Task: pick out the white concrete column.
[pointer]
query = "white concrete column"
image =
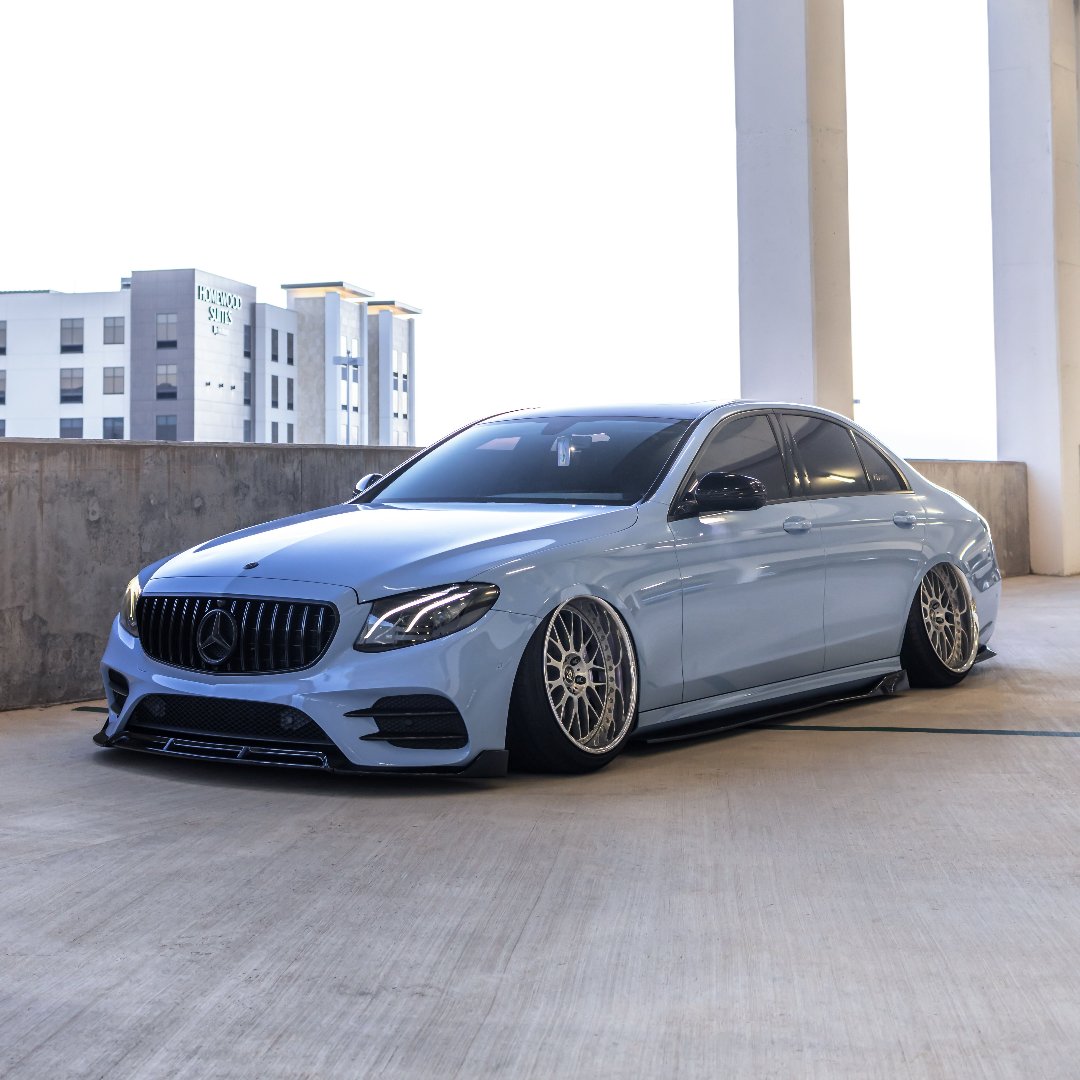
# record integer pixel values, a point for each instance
(794, 273)
(1035, 190)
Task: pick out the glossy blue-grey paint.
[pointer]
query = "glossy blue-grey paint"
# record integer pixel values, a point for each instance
(725, 610)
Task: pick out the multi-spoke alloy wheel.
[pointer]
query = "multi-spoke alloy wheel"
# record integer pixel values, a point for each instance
(943, 629)
(575, 698)
(590, 675)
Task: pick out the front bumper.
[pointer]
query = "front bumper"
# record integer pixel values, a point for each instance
(473, 669)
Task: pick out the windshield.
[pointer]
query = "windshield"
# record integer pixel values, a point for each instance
(548, 459)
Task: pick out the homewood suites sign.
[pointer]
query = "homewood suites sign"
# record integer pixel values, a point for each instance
(221, 305)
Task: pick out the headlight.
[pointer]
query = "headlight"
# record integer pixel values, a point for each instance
(127, 607)
(410, 618)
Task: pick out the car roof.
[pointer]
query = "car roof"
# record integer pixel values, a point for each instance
(673, 411)
(687, 410)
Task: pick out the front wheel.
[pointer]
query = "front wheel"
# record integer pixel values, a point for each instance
(575, 697)
(942, 635)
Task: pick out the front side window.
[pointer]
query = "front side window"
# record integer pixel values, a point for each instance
(3, 427)
(71, 427)
(71, 386)
(274, 345)
(595, 460)
(166, 330)
(3, 386)
(826, 456)
(744, 445)
(114, 329)
(247, 340)
(3, 337)
(247, 431)
(274, 432)
(165, 428)
(290, 357)
(71, 336)
(112, 427)
(289, 400)
(247, 389)
(273, 391)
(288, 433)
(114, 380)
(166, 381)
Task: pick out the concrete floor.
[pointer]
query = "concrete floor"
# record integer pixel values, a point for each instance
(773, 903)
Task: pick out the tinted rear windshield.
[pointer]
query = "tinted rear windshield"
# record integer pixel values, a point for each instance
(549, 459)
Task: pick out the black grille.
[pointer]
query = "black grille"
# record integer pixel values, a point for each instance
(417, 721)
(250, 721)
(271, 635)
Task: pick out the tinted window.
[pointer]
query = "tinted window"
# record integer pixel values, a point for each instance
(827, 456)
(746, 445)
(883, 477)
(551, 459)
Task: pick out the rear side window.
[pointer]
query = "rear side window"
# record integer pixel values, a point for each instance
(746, 445)
(883, 477)
(826, 456)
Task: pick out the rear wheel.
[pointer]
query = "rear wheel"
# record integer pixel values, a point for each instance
(942, 635)
(575, 697)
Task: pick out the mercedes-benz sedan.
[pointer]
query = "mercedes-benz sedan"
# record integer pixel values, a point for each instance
(542, 586)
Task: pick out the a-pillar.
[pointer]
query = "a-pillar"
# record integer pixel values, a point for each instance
(1035, 186)
(794, 272)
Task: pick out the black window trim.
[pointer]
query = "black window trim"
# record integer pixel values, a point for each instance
(803, 483)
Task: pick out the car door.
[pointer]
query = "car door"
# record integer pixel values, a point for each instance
(873, 530)
(753, 581)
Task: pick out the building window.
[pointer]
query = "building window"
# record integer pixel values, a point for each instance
(247, 431)
(395, 380)
(3, 387)
(290, 357)
(288, 433)
(112, 427)
(274, 393)
(273, 346)
(114, 380)
(247, 389)
(289, 400)
(247, 340)
(166, 331)
(71, 387)
(3, 337)
(166, 381)
(3, 428)
(71, 336)
(273, 432)
(114, 329)
(166, 428)
(71, 427)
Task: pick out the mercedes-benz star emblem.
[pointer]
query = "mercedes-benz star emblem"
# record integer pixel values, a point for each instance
(216, 637)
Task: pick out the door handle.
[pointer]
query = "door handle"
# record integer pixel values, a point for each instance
(905, 520)
(797, 525)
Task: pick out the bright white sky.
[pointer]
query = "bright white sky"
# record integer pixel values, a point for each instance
(553, 184)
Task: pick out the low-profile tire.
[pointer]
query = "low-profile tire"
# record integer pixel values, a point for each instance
(942, 635)
(575, 695)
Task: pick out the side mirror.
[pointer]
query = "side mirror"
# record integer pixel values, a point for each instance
(719, 491)
(366, 481)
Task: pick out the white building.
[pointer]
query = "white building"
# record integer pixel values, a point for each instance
(186, 355)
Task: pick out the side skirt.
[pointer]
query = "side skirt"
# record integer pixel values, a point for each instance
(889, 685)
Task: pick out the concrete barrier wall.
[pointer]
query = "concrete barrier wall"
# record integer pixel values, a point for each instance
(79, 518)
(998, 490)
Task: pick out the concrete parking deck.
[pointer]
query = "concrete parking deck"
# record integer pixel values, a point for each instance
(773, 903)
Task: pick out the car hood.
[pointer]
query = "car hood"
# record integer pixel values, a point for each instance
(382, 549)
